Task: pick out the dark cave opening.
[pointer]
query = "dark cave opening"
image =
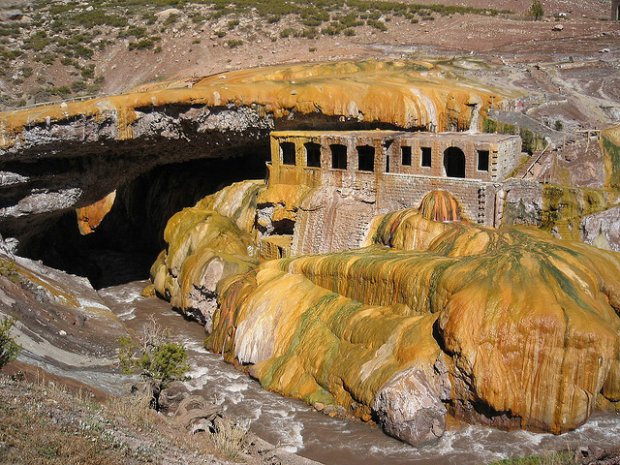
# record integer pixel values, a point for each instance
(126, 243)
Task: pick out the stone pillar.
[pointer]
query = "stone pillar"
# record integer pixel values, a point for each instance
(615, 10)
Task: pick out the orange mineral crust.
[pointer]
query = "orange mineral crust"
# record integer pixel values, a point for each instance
(509, 327)
(405, 93)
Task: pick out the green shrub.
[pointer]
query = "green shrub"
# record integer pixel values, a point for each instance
(536, 10)
(154, 356)
(233, 43)
(288, 32)
(88, 72)
(9, 349)
(79, 86)
(144, 44)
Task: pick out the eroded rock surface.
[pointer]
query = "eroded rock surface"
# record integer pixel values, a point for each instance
(526, 326)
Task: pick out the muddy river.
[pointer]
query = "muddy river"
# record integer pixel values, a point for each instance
(298, 428)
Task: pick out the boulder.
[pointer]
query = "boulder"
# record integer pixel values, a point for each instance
(408, 408)
(165, 14)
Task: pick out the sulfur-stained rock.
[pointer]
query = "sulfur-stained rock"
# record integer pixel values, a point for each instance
(509, 327)
(205, 246)
(90, 217)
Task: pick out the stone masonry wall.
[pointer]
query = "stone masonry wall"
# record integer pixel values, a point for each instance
(405, 191)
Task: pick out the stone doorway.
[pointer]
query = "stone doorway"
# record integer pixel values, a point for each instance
(454, 162)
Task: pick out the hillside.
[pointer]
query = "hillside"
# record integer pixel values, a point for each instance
(54, 50)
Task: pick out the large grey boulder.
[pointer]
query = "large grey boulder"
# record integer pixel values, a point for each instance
(409, 408)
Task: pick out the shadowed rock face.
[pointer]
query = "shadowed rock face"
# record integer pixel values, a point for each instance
(59, 157)
(509, 327)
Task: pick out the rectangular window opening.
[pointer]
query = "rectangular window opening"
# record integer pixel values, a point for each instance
(288, 153)
(426, 158)
(405, 156)
(313, 155)
(339, 156)
(366, 158)
(483, 160)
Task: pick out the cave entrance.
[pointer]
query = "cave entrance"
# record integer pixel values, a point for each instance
(454, 162)
(127, 241)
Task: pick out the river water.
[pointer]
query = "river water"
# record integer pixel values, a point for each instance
(300, 429)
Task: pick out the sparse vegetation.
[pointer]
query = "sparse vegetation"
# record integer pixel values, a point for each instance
(154, 356)
(9, 349)
(234, 43)
(73, 428)
(536, 10)
(71, 34)
(229, 438)
(552, 458)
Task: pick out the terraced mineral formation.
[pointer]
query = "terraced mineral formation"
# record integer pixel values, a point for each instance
(507, 327)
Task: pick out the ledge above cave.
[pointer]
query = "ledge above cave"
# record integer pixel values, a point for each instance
(405, 94)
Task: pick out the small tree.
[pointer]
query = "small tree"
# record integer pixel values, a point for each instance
(9, 349)
(536, 10)
(154, 356)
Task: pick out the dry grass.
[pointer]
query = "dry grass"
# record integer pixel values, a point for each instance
(34, 431)
(44, 424)
(230, 439)
(135, 410)
(550, 458)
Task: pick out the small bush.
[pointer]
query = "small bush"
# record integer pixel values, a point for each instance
(536, 10)
(288, 32)
(229, 438)
(143, 44)
(9, 349)
(233, 43)
(171, 20)
(154, 356)
(88, 72)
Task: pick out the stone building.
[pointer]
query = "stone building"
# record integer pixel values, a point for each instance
(394, 170)
(615, 10)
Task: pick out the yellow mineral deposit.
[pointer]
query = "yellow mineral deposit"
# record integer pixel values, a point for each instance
(91, 216)
(404, 93)
(508, 327)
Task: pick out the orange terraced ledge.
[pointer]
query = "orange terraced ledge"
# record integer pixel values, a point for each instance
(404, 93)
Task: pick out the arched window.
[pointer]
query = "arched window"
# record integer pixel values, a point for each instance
(454, 162)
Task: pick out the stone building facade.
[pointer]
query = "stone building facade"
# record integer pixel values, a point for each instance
(394, 170)
(356, 175)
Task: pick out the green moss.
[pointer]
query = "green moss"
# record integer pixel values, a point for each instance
(564, 208)
(611, 154)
